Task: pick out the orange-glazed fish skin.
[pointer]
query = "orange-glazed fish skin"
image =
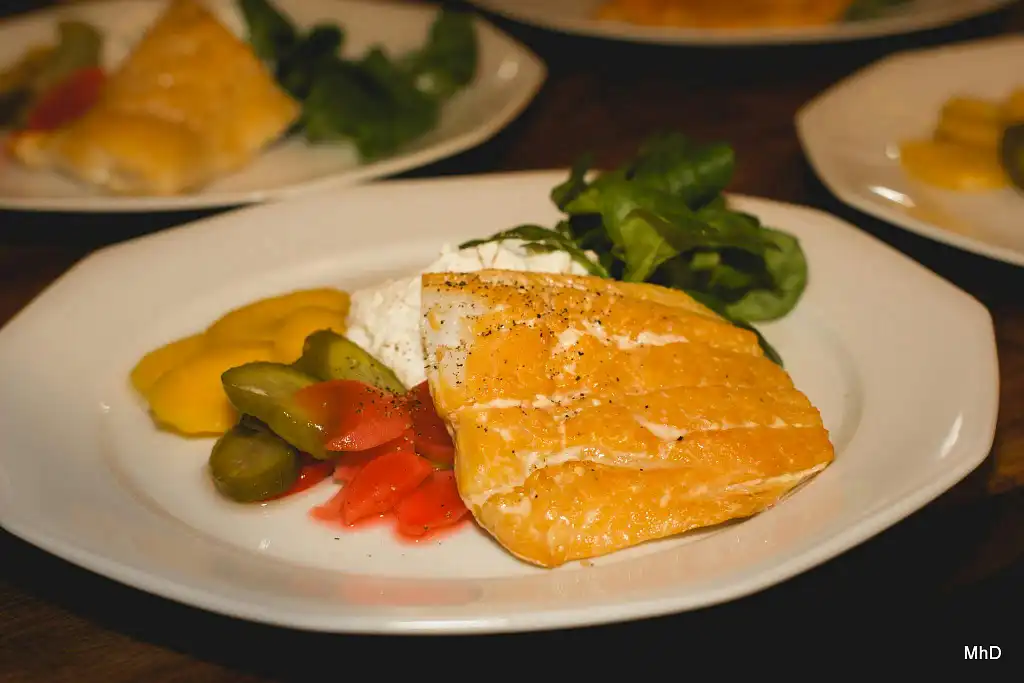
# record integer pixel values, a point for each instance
(591, 415)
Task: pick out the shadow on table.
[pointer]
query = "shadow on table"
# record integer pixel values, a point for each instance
(886, 582)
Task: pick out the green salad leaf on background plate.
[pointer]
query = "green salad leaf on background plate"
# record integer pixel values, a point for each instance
(377, 101)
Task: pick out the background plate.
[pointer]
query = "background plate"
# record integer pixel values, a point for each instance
(851, 134)
(508, 78)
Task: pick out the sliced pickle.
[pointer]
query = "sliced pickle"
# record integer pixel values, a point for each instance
(1011, 153)
(266, 391)
(328, 355)
(249, 464)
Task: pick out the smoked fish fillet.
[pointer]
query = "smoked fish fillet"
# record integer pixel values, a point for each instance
(725, 14)
(591, 415)
(191, 102)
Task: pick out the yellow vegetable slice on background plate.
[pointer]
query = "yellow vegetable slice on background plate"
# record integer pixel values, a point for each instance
(1013, 107)
(973, 108)
(971, 121)
(190, 398)
(953, 166)
(982, 133)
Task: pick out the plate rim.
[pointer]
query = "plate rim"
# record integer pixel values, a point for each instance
(804, 121)
(483, 131)
(588, 614)
(870, 28)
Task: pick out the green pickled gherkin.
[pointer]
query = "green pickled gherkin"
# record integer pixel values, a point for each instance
(266, 391)
(249, 464)
(328, 355)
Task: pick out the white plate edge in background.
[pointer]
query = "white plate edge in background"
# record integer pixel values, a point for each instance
(531, 80)
(807, 123)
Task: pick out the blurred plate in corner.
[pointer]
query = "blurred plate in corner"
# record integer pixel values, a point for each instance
(854, 135)
(507, 79)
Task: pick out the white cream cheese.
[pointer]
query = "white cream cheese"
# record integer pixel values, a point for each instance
(385, 319)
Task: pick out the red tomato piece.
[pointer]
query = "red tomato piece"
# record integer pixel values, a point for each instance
(443, 456)
(404, 443)
(350, 462)
(435, 504)
(348, 465)
(432, 439)
(382, 482)
(355, 416)
(331, 510)
(68, 100)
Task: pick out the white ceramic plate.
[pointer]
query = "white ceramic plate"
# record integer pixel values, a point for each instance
(508, 78)
(901, 364)
(851, 134)
(577, 16)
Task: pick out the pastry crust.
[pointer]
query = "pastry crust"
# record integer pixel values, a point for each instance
(591, 415)
(189, 104)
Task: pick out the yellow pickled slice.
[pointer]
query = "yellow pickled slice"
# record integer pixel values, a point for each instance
(190, 398)
(973, 109)
(154, 364)
(295, 327)
(259, 320)
(1013, 107)
(952, 166)
(973, 132)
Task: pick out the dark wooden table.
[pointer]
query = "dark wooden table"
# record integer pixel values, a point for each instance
(958, 564)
